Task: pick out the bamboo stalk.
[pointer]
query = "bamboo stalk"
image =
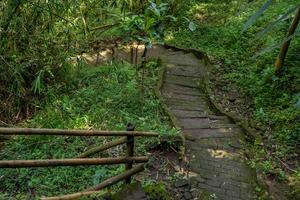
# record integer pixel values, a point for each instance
(104, 147)
(104, 184)
(285, 47)
(65, 132)
(71, 162)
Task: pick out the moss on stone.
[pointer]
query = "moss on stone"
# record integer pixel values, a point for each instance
(157, 192)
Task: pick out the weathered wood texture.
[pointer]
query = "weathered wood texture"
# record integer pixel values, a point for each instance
(71, 162)
(36, 131)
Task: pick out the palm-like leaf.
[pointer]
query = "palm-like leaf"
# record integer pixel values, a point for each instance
(254, 17)
(276, 45)
(281, 18)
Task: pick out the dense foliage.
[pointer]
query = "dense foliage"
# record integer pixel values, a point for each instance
(39, 38)
(102, 98)
(39, 72)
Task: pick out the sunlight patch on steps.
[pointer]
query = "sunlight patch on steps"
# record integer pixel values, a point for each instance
(221, 154)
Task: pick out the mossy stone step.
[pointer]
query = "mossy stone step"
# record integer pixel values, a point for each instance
(183, 81)
(185, 71)
(183, 102)
(183, 60)
(180, 97)
(200, 123)
(212, 118)
(189, 114)
(173, 88)
(196, 134)
(219, 143)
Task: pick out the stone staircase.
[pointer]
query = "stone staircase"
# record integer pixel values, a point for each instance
(214, 144)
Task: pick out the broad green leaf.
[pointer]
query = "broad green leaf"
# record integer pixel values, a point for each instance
(254, 17)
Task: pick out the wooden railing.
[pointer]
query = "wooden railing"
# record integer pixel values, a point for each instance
(127, 137)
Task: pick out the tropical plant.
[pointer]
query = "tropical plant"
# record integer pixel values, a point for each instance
(290, 35)
(36, 38)
(146, 28)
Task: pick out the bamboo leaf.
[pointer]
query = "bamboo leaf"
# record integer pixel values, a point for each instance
(254, 17)
(281, 18)
(277, 45)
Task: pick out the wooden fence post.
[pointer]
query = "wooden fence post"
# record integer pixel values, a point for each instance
(130, 150)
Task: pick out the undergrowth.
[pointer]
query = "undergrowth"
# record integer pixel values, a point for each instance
(106, 98)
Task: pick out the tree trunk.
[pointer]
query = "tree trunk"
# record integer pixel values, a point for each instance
(284, 49)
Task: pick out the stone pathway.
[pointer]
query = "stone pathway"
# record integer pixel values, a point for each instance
(213, 143)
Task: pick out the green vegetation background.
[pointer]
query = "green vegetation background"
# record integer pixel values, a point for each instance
(108, 97)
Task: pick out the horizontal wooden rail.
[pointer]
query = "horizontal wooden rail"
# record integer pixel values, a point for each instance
(104, 147)
(104, 184)
(65, 132)
(71, 162)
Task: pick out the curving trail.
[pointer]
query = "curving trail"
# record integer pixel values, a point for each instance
(214, 152)
(213, 142)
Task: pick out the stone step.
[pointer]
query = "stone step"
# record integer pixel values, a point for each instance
(213, 118)
(183, 81)
(196, 134)
(189, 108)
(200, 123)
(173, 88)
(179, 96)
(188, 114)
(185, 71)
(228, 143)
(170, 52)
(182, 102)
(183, 60)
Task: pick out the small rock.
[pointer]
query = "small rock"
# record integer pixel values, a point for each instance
(232, 98)
(195, 193)
(188, 195)
(198, 179)
(181, 183)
